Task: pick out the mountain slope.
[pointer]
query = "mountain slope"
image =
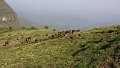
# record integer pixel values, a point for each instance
(8, 18)
(96, 48)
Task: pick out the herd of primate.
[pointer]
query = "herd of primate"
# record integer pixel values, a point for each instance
(61, 34)
(34, 39)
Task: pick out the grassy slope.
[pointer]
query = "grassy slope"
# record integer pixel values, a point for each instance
(91, 49)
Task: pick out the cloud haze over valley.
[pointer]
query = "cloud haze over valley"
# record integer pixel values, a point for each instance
(67, 14)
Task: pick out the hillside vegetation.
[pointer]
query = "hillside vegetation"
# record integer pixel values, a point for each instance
(45, 48)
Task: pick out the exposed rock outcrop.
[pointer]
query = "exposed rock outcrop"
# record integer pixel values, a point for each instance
(8, 18)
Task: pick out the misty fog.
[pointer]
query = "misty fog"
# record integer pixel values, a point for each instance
(67, 14)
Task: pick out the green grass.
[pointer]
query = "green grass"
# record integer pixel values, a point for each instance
(91, 49)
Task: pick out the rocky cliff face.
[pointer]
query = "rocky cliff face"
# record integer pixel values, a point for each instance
(8, 18)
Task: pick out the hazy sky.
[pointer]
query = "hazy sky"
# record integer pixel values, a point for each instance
(77, 12)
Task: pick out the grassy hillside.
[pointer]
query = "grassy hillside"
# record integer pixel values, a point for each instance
(96, 48)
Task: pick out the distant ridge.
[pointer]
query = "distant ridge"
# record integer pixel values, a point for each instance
(8, 18)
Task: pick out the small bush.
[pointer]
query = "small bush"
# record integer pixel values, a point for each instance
(23, 28)
(46, 27)
(54, 29)
(33, 28)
